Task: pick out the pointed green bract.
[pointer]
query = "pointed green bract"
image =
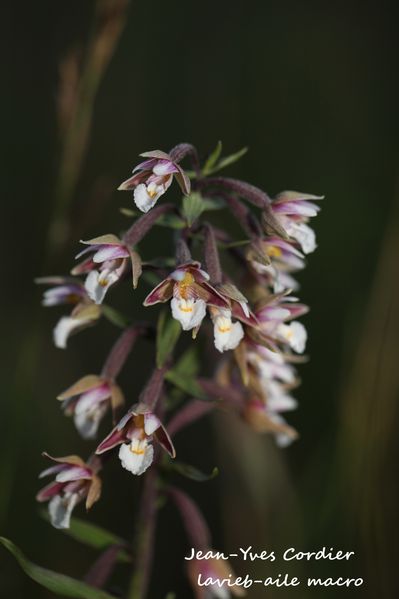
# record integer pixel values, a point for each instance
(193, 473)
(94, 536)
(213, 158)
(61, 585)
(193, 207)
(186, 383)
(114, 316)
(227, 161)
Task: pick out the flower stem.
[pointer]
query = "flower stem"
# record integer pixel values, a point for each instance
(143, 544)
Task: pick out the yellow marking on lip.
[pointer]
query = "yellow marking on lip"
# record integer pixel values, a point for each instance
(273, 251)
(152, 193)
(103, 282)
(185, 309)
(137, 451)
(224, 329)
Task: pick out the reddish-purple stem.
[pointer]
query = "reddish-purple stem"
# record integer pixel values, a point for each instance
(179, 152)
(212, 261)
(194, 523)
(153, 389)
(144, 540)
(141, 226)
(191, 412)
(120, 351)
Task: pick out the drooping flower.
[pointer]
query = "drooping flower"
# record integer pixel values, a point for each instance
(206, 576)
(190, 291)
(273, 319)
(75, 480)
(227, 334)
(109, 259)
(266, 418)
(135, 433)
(293, 210)
(88, 400)
(69, 291)
(153, 177)
(282, 259)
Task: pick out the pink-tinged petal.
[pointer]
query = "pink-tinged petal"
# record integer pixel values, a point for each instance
(125, 419)
(49, 491)
(162, 293)
(64, 294)
(116, 437)
(131, 183)
(164, 167)
(110, 252)
(83, 267)
(151, 423)
(285, 246)
(86, 250)
(299, 208)
(165, 441)
(53, 470)
(90, 398)
(147, 165)
(73, 473)
(296, 310)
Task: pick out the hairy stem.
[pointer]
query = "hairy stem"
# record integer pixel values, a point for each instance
(143, 543)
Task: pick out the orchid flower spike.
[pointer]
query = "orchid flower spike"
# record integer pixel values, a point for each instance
(109, 259)
(88, 400)
(135, 433)
(153, 177)
(75, 480)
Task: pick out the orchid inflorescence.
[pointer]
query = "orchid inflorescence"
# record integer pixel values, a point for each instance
(253, 314)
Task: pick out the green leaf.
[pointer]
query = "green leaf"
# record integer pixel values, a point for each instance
(172, 221)
(186, 383)
(114, 316)
(93, 536)
(191, 472)
(228, 160)
(213, 204)
(168, 333)
(128, 212)
(193, 207)
(213, 158)
(53, 581)
(188, 364)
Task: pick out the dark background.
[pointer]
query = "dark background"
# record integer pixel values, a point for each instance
(312, 89)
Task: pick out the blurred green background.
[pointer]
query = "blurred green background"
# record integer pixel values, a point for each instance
(312, 89)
